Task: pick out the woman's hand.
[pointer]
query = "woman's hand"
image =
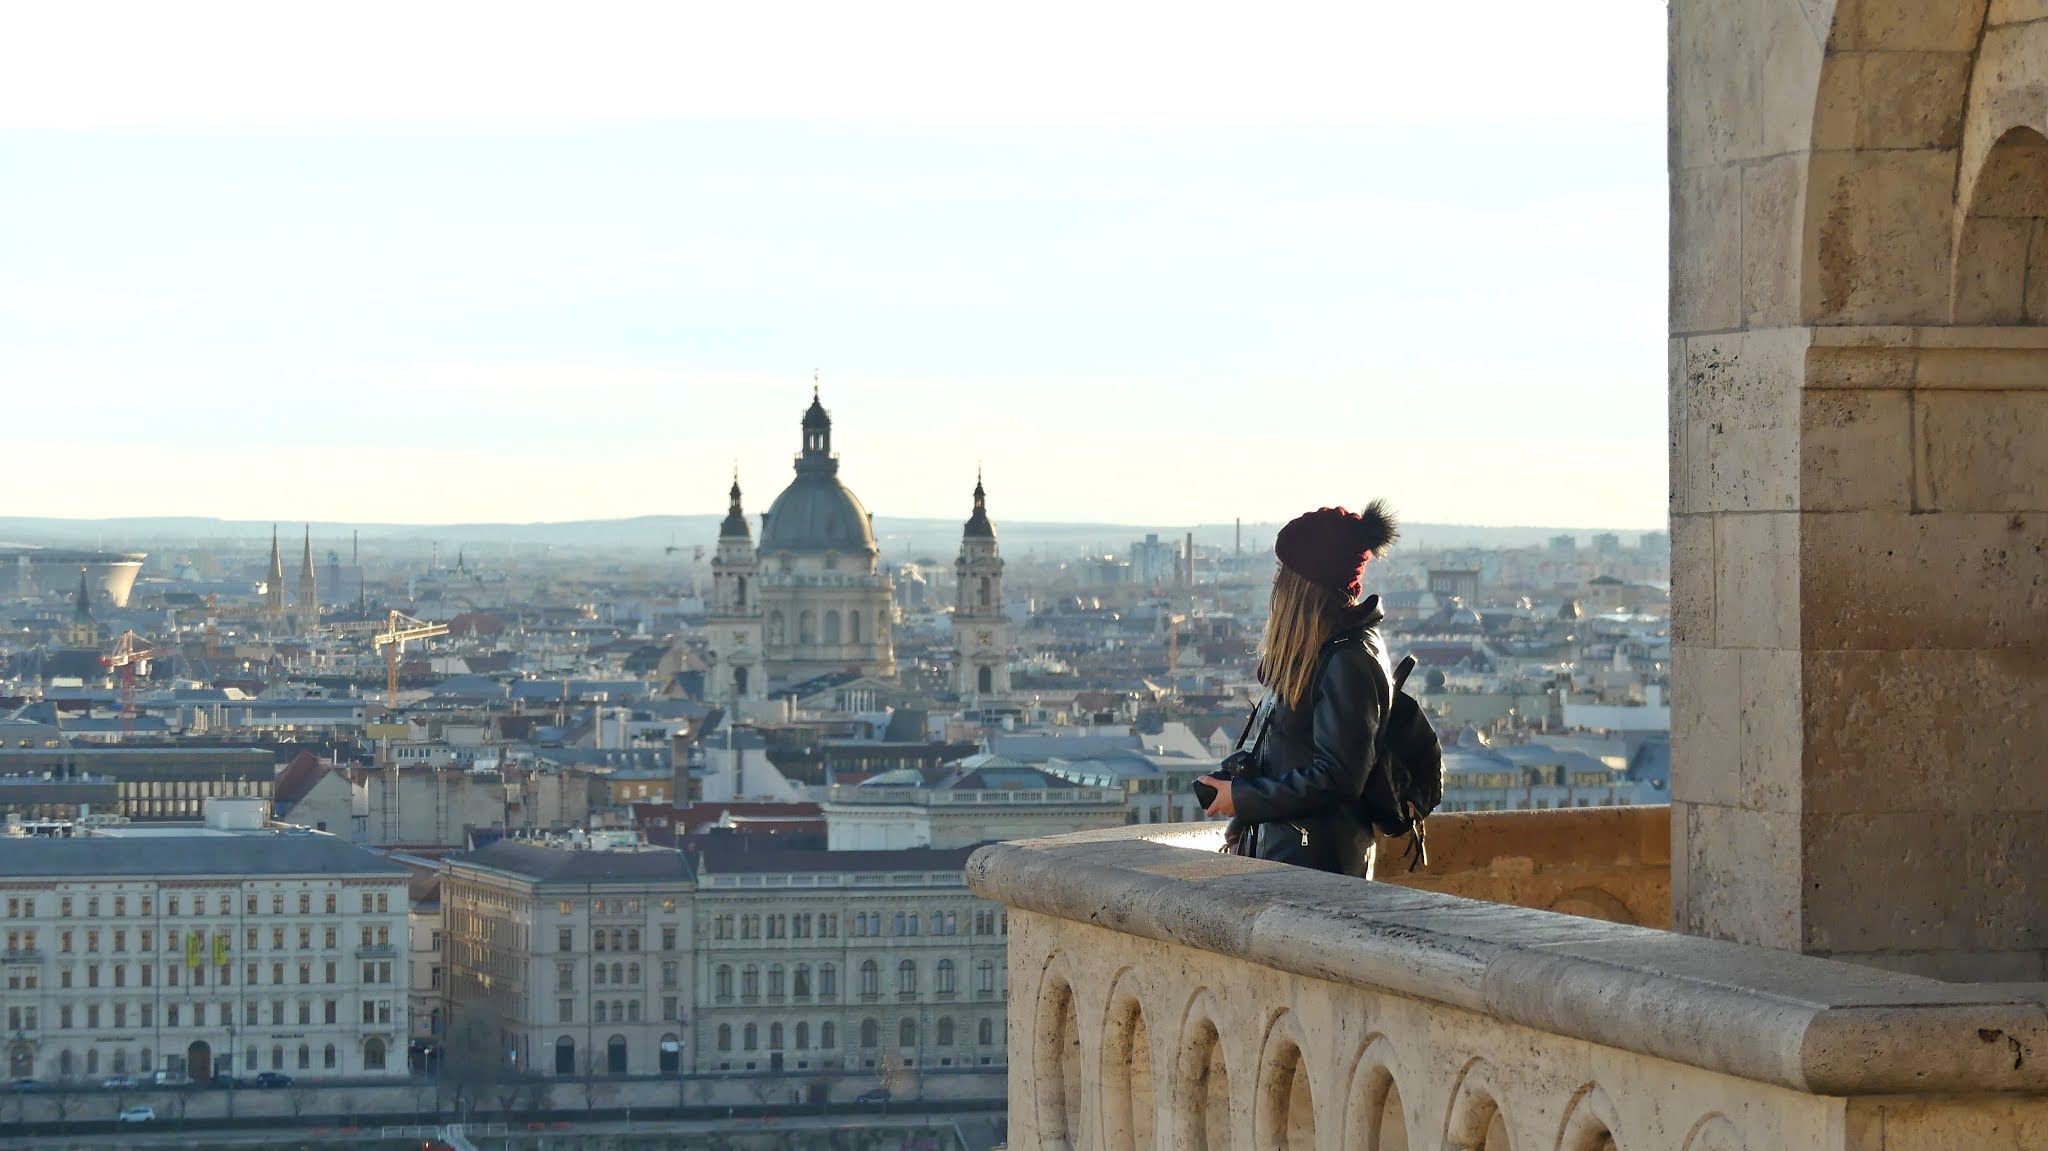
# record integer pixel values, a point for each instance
(1224, 804)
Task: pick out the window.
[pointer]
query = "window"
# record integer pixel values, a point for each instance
(750, 982)
(632, 939)
(596, 940)
(668, 937)
(870, 978)
(828, 981)
(331, 897)
(725, 1037)
(565, 940)
(722, 983)
(668, 976)
(945, 977)
(333, 1010)
(327, 1057)
(985, 1033)
(906, 978)
(870, 1033)
(305, 908)
(597, 974)
(985, 977)
(827, 1036)
(775, 981)
(565, 977)
(305, 1057)
(775, 1037)
(906, 1033)
(565, 1011)
(633, 1011)
(801, 985)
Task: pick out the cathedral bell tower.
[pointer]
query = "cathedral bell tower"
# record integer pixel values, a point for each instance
(735, 616)
(307, 616)
(981, 629)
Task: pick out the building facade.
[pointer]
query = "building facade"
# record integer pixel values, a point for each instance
(200, 954)
(826, 973)
(570, 963)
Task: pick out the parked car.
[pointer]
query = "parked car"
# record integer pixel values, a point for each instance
(138, 1115)
(173, 1079)
(877, 1095)
(273, 1079)
(25, 1086)
(120, 1082)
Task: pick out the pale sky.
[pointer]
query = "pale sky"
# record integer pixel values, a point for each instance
(1144, 262)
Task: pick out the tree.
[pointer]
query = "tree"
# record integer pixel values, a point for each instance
(594, 1088)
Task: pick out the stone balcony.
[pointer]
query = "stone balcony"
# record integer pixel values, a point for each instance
(1165, 996)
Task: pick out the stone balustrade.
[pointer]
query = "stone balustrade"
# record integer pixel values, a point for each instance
(1165, 996)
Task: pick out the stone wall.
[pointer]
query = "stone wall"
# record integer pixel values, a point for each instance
(1859, 479)
(1610, 863)
(1170, 997)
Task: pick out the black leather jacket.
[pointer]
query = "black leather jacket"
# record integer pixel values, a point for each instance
(1299, 801)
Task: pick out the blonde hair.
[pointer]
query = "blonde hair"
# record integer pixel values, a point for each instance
(1303, 617)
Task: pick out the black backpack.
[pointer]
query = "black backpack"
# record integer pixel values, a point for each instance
(1406, 782)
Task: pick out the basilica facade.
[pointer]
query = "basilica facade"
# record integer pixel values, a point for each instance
(811, 597)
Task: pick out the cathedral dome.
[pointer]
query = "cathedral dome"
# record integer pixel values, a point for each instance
(817, 513)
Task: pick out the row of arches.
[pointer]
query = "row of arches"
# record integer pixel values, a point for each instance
(945, 1033)
(617, 1058)
(1198, 1092)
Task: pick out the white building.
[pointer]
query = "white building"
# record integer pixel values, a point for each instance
(201, 952)
(981, 799)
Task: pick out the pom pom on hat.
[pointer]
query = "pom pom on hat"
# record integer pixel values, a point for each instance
(1329, 547)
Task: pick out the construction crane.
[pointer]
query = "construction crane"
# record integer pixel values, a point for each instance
(392, 639)
(130, 652)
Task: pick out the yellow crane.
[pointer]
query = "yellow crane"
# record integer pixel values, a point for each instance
(392, 640)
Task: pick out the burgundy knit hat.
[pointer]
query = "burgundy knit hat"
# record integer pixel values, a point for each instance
(1329, 547)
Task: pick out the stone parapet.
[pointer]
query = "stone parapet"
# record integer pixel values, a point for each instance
(1167, 996)
(1609, 863)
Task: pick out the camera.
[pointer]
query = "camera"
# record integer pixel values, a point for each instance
(1234, 765)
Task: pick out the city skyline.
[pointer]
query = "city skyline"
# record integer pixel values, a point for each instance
(1131, 302)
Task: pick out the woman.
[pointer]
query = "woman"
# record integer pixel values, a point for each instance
(1327, 680)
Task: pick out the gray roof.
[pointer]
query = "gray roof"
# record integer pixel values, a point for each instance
(267, 853)
(564, 865)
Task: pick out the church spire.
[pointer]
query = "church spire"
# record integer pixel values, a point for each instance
(273, 585)
(978, 524)
(82, 610)
(735, 525)
(309, 586)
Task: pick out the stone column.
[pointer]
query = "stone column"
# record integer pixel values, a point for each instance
(1859, 497)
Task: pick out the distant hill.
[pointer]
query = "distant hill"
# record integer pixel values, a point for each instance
(901, 538)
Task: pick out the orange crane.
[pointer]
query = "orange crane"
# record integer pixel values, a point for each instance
(130, 652)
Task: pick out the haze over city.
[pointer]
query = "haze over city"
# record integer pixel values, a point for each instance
(1145, 266)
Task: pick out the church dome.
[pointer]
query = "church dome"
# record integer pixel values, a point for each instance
(816, 513)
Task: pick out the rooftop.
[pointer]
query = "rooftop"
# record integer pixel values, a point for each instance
(190, 852)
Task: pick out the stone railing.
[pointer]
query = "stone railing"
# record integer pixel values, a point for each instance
(1610, 863)
(1165, 996)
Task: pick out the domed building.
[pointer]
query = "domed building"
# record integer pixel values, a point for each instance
(811, 598)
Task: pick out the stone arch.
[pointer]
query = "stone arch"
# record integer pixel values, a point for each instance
(2001, 256)
(1589, 1122)
(1130, 1106)
(1375, 1118)
(1714, 1133)
(1475, 1121)
(1201, 1079)
(985, 679)
(1886, 136)
(1058, 1060)
(853, 626)
(807, 626)
(1284, 1102)
(1593, 903)
(832, 625)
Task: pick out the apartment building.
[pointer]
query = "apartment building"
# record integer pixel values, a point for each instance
(845, 966)
(201, 952)
(568, 961)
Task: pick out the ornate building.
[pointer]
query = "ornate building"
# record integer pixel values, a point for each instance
(811, 599)
(981, 631)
